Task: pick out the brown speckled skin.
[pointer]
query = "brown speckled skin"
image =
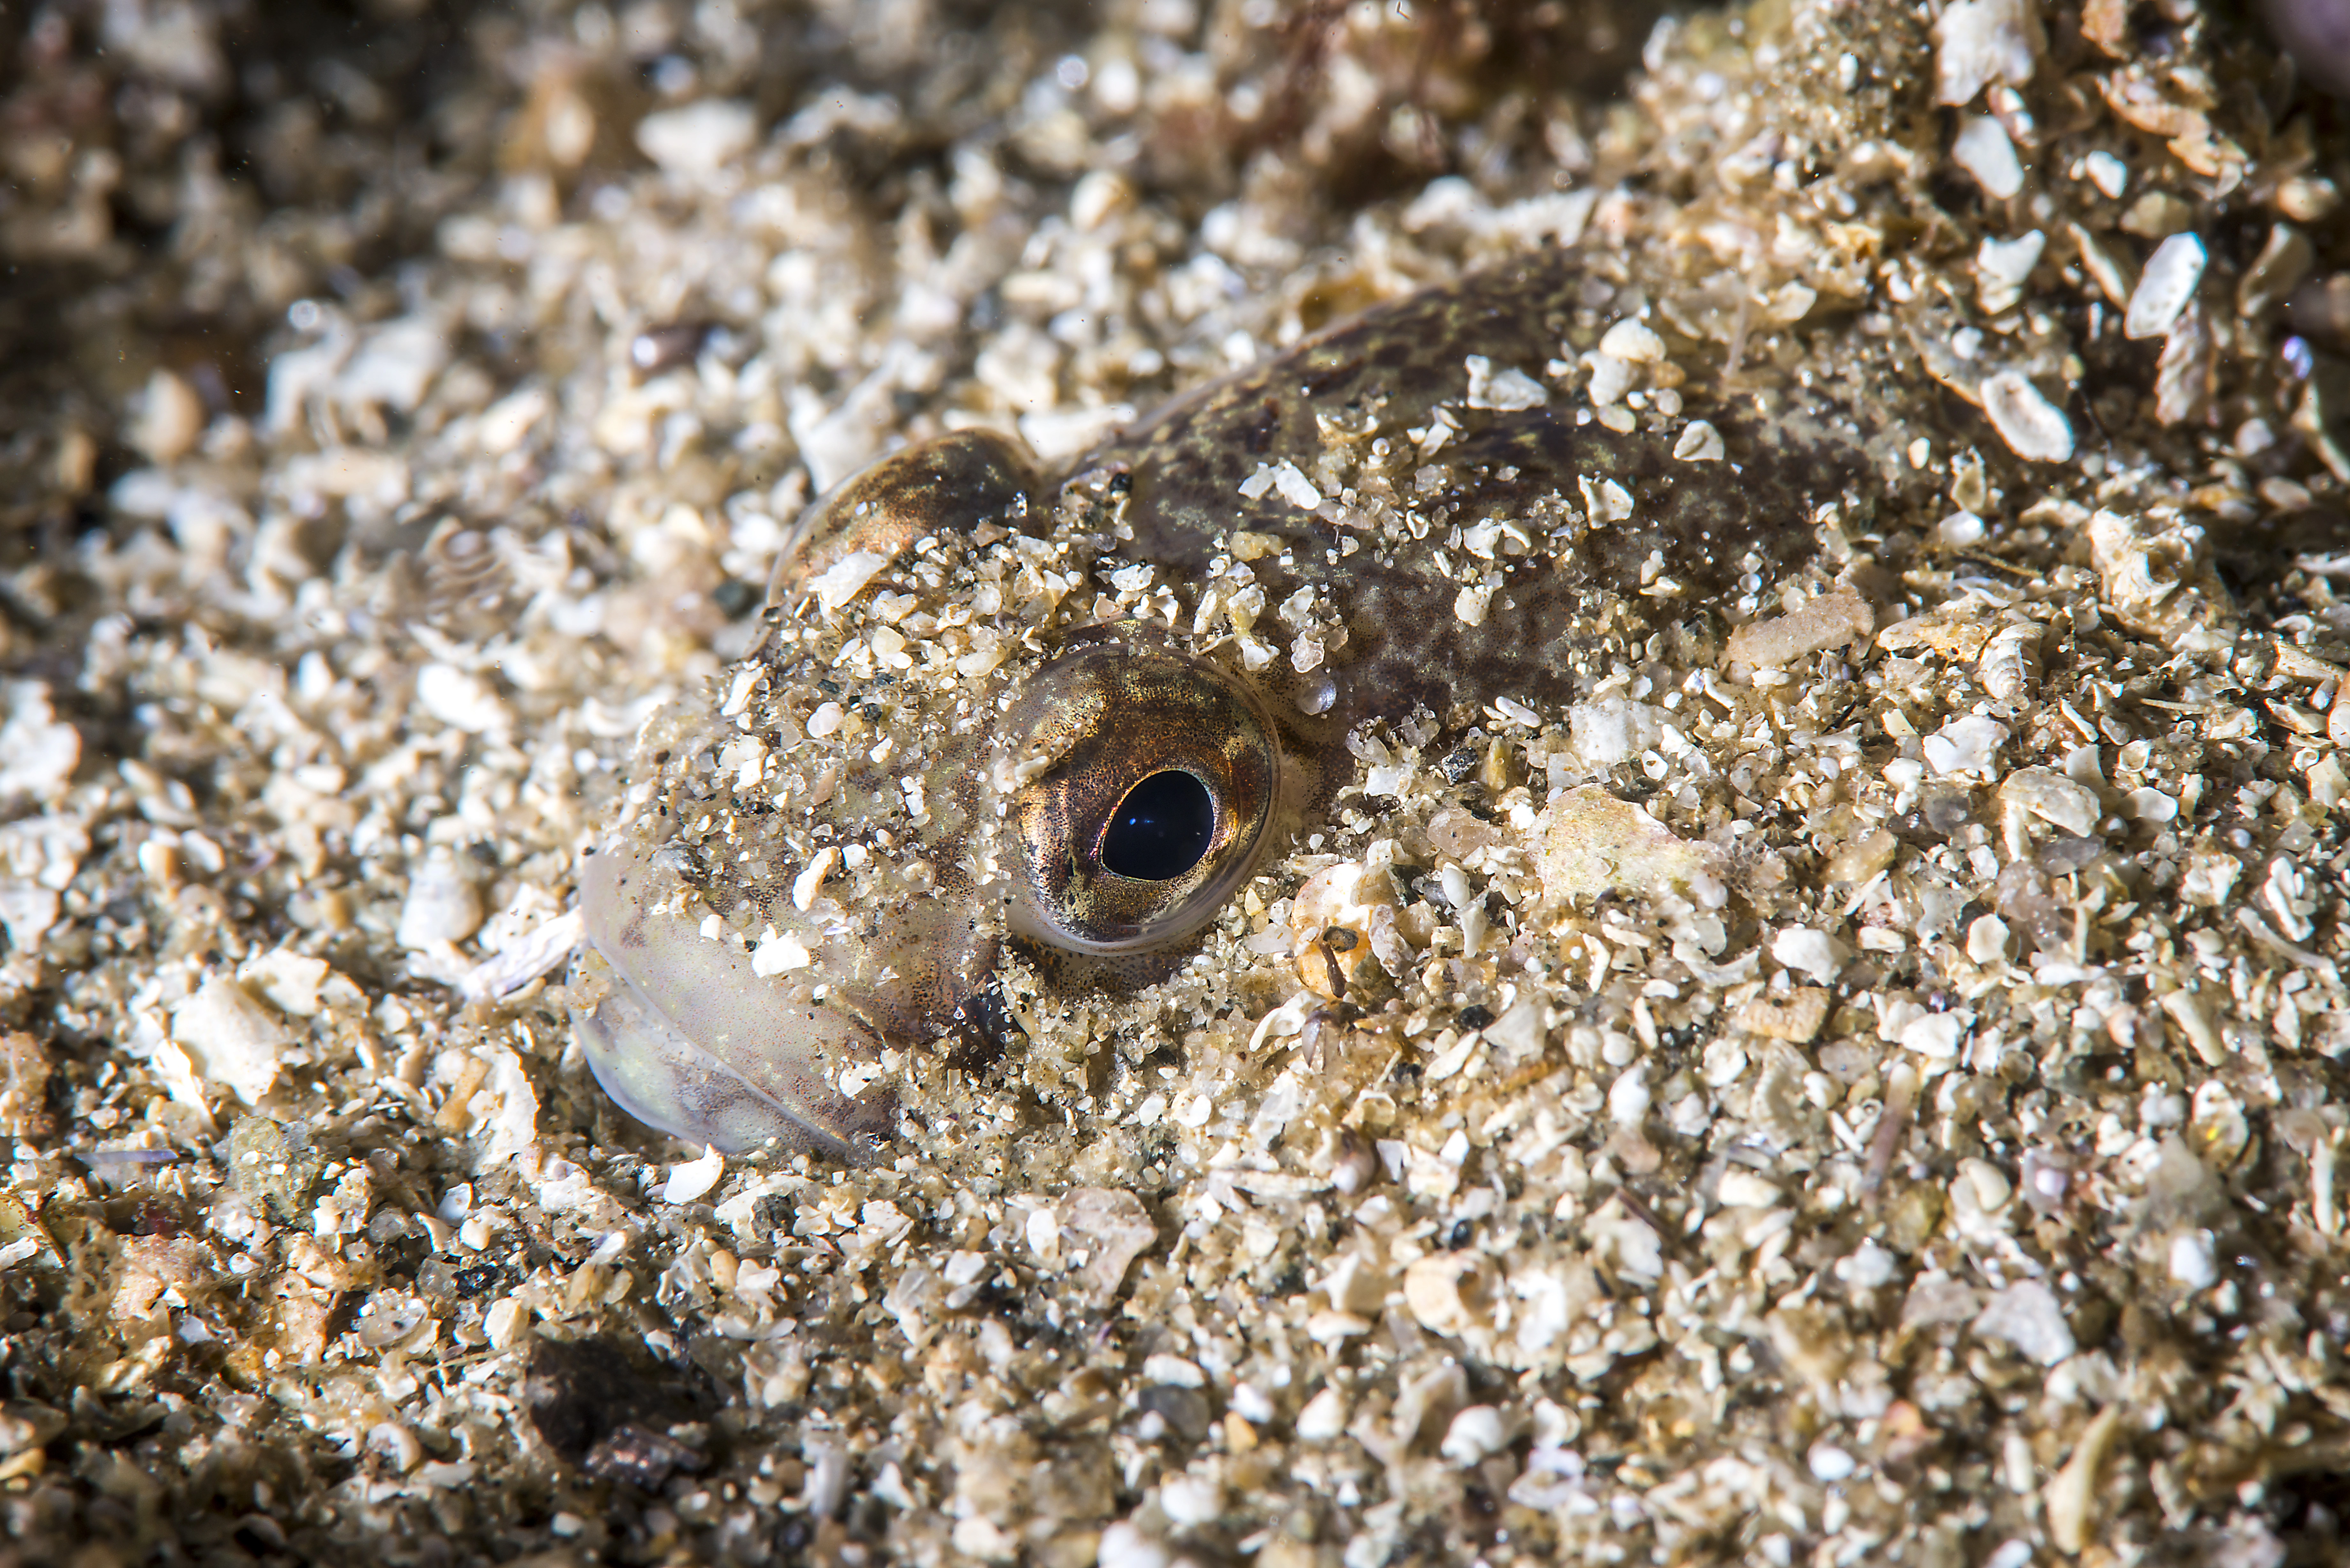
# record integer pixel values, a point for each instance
(1185, 466)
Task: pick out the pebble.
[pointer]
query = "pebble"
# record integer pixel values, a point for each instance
(1830, 1464)
(1699, 443)
(2031, 425)
(231, 1038)
(1812, 953)
(691, 1181)
(1966, 745)
(2165, 286)
(1979, 42)
(1982, 150)
(461, 700)
(2027, 1316)
(1324, 1418)
(171, 417)
(2192, 1261)
(2002, 265)
(442, 906)
(697, 141)
(1476, 1433)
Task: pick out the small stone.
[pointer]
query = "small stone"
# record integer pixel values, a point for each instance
(2002, 265)
(2165, 286)
(442, 904)
(1633, 342)
(1699, 443)
(1982, 150)
(1814, 953)
(1324, 1418)
(462, 700)
(1987, 938)
(1968, 745)
(2031, 425)
(692, 1181)
(169, 418)
(2026, 1316)
(274, 1165)
(1978, 42)
(1935, 1035)
(1830, 1464)
(2192, 1261)
(1591, 843)
(697, 141)
(1798, 1019)
(1475, 1434)
(1831, 620)
(231, 1038)
(2053, 797)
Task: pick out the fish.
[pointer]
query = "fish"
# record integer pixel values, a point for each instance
(1015, 735)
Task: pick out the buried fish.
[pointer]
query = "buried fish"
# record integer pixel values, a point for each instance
(1013, 737)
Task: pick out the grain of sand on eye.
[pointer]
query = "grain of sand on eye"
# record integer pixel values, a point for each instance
(1862, 1084)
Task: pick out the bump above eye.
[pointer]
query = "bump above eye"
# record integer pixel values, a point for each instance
(1142, 782)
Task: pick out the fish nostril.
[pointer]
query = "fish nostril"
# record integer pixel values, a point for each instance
(1162, 829)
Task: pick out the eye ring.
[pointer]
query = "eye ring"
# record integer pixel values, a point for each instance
(1141, 783)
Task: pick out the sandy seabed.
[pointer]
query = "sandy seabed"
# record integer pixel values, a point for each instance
(397, 410)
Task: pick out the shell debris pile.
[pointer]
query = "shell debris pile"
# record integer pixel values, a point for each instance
(1864, 1081)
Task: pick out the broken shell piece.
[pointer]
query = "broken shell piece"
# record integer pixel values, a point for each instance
(2158, 580)
(1828, 621)
(2163, 290)
(962, 483)
(1982, 150)
(2010, 663)
(1448, 1292)
(2031, 425)
(1590, 843)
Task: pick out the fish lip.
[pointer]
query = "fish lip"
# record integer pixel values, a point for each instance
(771, 1088)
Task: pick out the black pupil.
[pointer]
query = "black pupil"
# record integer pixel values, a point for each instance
(1161, 829)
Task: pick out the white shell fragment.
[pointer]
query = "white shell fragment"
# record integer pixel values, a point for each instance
(1979, 42)
(1982, 150)
(233, 1039)
(1634, 342)
(1699, 443)
(2031, 425)
(2165, 287)
(2002, 265)
(1592, 843)
(2027, 1316)
(442, 906)
(697, 141)
(1968, 745)
(692, 1181)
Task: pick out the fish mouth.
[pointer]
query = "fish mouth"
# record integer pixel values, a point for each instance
(690, 1038)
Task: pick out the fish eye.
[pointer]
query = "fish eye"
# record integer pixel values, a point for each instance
(1143, 785)
(1161, 829)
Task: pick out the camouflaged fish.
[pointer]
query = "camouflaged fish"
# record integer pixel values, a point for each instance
(1006, 723)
